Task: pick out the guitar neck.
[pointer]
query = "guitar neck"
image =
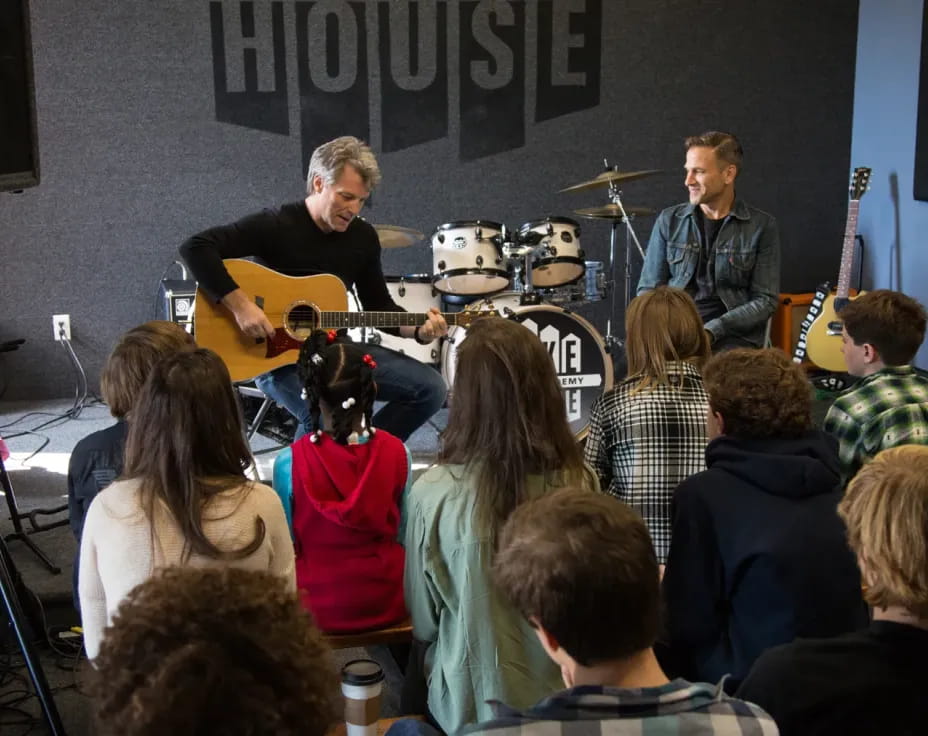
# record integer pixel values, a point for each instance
(341, 320)
(847, 251)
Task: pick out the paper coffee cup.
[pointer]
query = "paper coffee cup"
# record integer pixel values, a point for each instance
(362, 684)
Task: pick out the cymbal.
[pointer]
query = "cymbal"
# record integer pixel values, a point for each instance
(610, 176)
(612, 212)
(394, 236)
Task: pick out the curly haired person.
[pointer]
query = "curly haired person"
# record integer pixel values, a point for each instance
(200, 651)
(757, 552)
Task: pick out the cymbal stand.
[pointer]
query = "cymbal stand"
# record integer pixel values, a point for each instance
(615, 196)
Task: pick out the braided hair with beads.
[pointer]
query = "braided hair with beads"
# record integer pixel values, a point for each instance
(339, 373)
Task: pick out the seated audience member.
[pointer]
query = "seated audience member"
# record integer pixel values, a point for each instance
(97, 459)
(198, 652)
(183, 498)
(758, 555)
(507, 441)
(343, 486)
(872, 681)
(889, 405)
(649, 432)
(581, 569)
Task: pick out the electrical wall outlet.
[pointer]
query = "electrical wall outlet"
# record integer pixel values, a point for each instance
(61, 323)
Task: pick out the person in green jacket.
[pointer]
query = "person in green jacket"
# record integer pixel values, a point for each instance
(507, 441)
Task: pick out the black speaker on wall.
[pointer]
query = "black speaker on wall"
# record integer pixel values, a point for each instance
(19, 144)
(920, 180)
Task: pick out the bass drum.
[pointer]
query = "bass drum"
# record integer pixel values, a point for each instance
(414, 293)
(580, 359)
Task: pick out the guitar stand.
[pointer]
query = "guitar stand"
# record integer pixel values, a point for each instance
(14, 611)
(16, 517)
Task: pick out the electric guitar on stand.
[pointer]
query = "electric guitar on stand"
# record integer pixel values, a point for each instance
(823, 338)
(295, 306)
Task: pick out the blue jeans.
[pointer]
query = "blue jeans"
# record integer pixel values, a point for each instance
(413, 391)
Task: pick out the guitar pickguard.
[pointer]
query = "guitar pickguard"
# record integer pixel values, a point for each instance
(281, 343)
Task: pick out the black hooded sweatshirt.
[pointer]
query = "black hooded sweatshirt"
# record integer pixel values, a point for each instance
(758, 555)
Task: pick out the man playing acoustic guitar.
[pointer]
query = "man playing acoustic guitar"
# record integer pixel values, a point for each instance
(323, 235)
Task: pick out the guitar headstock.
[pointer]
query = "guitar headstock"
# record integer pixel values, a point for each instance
(860, 182)
(467, 317)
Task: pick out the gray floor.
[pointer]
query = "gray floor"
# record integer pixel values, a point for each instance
(40, 482)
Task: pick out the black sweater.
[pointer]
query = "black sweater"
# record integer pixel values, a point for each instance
(758, 555)
(289, 241)
(869, 682)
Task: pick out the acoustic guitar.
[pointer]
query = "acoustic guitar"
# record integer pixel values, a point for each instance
(295, 306)
(824, 334)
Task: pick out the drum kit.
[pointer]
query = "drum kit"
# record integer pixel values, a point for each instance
(535, 274)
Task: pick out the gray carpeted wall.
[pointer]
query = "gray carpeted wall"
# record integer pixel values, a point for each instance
(501, 104)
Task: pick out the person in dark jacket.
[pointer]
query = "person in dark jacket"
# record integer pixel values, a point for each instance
(96, 460)
(758, 554)
(874, 680)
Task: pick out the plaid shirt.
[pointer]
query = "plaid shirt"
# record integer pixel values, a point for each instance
(885, 409)
(643, 445)
(678, 708)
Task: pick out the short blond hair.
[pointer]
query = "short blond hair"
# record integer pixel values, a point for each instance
(885, 509)
(662, 326)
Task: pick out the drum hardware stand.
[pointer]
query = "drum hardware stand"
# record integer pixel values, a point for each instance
(17, 618)
(615, 196)
(16, 517)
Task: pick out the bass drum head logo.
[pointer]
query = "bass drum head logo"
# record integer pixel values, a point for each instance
(580, 361)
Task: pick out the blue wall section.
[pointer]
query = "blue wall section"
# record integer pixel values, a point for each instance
(893, 223)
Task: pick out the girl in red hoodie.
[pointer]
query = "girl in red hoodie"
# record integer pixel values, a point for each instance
(342, 487)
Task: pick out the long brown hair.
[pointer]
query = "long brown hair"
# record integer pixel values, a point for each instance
(507, 419)
(662, 326)
(186, 444)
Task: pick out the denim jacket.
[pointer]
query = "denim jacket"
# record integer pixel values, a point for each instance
(747, 265)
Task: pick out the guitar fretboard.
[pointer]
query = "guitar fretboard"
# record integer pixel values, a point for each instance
(340, 320)
(847, 251)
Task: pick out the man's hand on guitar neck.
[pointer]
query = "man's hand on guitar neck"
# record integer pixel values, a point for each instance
(251, 319)
(434, 326)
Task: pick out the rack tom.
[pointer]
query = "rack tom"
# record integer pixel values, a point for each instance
(558, 258)
(467, 258)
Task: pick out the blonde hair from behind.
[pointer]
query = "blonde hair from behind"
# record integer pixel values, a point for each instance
(885, 509)
(662, 326)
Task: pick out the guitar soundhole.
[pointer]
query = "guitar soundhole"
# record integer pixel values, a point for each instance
(301, 321)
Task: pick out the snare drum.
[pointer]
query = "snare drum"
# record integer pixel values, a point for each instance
(558, 258)
(467, 258)
(580, 359)
(591, 288)
(414, 293)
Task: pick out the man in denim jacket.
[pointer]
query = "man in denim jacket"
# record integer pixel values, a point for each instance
(725, 253)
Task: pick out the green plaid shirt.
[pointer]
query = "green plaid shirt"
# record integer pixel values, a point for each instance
(679, 708)
(886, 409)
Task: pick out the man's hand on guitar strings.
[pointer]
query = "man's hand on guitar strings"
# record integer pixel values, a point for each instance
(252, 320)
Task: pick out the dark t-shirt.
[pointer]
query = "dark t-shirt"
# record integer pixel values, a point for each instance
(289, 241)
(702, 286)
(869, 682)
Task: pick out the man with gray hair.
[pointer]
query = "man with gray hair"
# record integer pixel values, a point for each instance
(323, 235)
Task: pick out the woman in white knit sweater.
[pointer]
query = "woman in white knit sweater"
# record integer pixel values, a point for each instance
(183, 498)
